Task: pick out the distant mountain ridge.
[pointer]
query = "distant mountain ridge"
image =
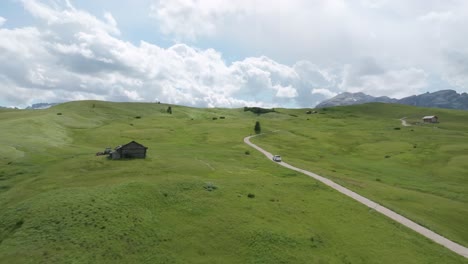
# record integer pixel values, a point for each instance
(354, 98)
(441, 99)
(41, 106)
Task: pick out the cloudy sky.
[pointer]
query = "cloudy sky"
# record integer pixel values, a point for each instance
(224, 53)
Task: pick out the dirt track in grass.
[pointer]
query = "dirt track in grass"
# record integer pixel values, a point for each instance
(455, 247)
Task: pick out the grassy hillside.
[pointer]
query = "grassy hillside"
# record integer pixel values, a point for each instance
(420, 171)
(62, 204)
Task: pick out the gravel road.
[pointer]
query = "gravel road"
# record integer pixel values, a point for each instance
(403, 122)
(455, 247)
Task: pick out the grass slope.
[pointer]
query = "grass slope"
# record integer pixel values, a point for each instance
(61, 204)
(420, 171)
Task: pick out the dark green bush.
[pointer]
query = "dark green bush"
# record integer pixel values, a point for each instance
(209, 186)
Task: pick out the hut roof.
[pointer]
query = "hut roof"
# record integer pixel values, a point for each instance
(131, 142)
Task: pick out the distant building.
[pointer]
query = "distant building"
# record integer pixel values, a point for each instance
(130, 150)
(430, 119)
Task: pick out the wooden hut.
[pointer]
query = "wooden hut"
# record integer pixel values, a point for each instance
(130, 150)
(430, 119)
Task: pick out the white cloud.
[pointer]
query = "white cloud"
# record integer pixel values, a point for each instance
(189, 19)
(2, 21)
(315, 50)
(325, 92)
(456, 69)
(404, 34)
(373, 3)
(132, 95)
(393, 83)
(285, 92)
(70, 18)
(110, 19)
(438, 17)
(85, 59)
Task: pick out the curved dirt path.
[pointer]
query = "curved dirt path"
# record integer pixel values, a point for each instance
(403, 122)
(455, 247)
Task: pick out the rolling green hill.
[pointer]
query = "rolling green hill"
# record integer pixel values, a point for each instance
(202, 196)
(420, 170)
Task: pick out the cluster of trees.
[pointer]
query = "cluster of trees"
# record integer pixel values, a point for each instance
(258, 110)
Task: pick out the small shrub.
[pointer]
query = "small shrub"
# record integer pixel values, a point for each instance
(222, 117)
(247, 152)
(19, 223)
(210, 186)
(397, 128)
(215, 118)
(137, 117)
(387, 156)
(378, 179)
(59, 113)
(316, 240)
(251, 195)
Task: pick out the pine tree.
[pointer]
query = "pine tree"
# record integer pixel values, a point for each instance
(257, 128)
(169, 110)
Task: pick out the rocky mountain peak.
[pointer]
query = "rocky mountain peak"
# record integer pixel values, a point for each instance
(440, 99)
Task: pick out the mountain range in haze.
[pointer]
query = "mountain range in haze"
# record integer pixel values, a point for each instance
(449, 99)
(41, 106)
(441, 99)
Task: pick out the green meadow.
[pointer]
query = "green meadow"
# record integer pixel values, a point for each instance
(420, 171)
(203, 196)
